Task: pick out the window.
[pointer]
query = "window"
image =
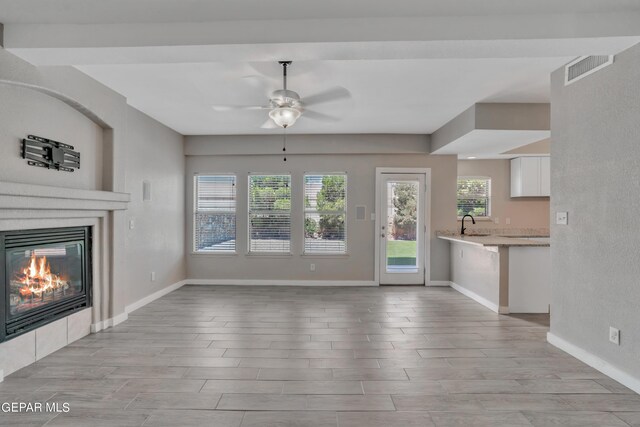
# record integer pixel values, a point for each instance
(325, 213)
(215, 213)
(474, 196)
(270, 213)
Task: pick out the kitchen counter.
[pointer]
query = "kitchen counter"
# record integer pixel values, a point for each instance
(495, 240)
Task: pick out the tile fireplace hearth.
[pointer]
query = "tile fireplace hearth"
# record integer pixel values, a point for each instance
(44, 275)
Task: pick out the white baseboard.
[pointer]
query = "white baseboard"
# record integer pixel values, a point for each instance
(466, 292)
(438, 283)
(154, 296)
(258, 282)
(108, 323)
(595, 362)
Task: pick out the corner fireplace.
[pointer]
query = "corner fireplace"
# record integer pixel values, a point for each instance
(45, 275)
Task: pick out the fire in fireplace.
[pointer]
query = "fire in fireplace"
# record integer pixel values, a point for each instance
(46, 276)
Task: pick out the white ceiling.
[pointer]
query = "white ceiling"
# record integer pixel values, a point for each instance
(403, 96)
(411, 65)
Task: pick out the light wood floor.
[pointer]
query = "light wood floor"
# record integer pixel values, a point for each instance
(282, 356)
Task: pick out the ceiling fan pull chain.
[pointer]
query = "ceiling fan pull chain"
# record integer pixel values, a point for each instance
(284, 143)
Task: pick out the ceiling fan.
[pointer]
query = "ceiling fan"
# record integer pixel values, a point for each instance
(286, 107)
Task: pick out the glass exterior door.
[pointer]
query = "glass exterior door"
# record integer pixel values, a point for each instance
(402, 229)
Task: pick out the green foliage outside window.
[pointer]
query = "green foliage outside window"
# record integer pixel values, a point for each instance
(474, 196)
(405, 204)
(270, 204)
(331, 199)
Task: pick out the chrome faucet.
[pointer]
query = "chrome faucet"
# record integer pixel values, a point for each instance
(462, 229)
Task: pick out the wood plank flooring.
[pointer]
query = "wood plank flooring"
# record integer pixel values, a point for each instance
(284, 356)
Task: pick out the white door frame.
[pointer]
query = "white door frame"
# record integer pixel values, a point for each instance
(427, 218)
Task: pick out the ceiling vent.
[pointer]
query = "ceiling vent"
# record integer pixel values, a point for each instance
(585, 65)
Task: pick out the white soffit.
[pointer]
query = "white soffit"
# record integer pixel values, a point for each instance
(490, 130)
(141, 11)
(537, 148)
(491, 143)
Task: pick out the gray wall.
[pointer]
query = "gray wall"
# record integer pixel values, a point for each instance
(595, 176)
(155, 154)
(360, 169)
(24, 111)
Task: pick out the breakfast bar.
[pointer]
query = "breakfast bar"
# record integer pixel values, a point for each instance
(507, 274)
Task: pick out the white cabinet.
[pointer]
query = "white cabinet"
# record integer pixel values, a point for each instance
(530, 177)
(545, 176)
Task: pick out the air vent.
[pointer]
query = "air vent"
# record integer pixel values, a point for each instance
(585, 65)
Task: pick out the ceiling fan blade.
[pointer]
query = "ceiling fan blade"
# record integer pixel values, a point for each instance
(268, 69)
(225, 108)
(261, 83)
(314, 115)
(332, 94)
(269, 124)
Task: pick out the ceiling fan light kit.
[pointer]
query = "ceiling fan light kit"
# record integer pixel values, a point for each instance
(285, 116)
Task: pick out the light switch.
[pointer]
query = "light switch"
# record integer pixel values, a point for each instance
(373, 216)
(132, 224)
(562, 218)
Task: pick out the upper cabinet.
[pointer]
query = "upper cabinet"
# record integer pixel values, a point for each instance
(530, 177)
(545, 176)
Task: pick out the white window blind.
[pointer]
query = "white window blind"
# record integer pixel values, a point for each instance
(215, 213)
(325, 213)
(270, 213)
(474, 196)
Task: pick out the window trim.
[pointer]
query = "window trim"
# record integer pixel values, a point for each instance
(344, 212)
(486, 217)
(283, 254)
(194, 250)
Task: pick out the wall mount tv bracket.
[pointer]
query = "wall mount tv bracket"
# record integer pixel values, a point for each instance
(50, 154)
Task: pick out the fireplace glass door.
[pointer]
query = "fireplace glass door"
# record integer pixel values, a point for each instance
(44, 275)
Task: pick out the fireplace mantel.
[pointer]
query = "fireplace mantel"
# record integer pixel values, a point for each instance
(16, 196)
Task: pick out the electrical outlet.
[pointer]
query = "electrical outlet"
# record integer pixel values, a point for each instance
(153, 276)
(508, 221)
(496, 220)
(132, 224)
(312, 267)
(614, 335)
